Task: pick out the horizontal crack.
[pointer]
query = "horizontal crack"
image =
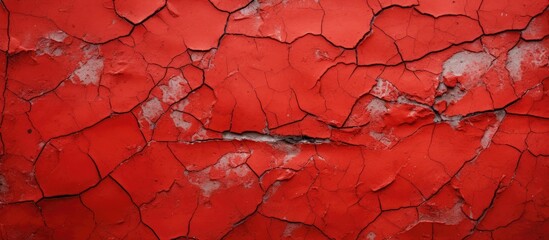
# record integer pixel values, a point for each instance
(258, 137)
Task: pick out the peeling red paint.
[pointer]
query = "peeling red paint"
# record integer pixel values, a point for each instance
(274, 119)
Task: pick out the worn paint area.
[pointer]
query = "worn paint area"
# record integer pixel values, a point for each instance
(274, 119)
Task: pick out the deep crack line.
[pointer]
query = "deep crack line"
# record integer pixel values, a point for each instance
(258, 137)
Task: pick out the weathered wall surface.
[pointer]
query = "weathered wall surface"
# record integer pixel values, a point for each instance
(274, 119)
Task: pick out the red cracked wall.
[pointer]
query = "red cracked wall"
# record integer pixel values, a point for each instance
(326, 119)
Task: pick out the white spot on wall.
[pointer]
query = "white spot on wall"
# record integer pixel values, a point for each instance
(376, 107)
(251, 9)
(453, 121)
(491, 130)
(231, 159)
(291, 151)
(151, 110)
(241, 171)
(47, 46)
(277, 34)
(272, 190)
(227, 164)
(290, 227)
(248, 184)
(50, 44)
(452, 216)
(451, 96)
(208, 187)
(371, 236)
(58, 36)
(380, 137)
(177, 118)
(533, 29)
(533, 52)
(196, 56)
(232, 163)
(202, 180)
(321, 55)
(470, 63)
(174, 90)
(205, 59)
(181, 106)
(89, 72)
(90, 69)
(200, 134)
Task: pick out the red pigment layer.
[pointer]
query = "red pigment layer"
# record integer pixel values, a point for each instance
(274, 119)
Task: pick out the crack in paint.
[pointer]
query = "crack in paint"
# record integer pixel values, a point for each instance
(273, 119)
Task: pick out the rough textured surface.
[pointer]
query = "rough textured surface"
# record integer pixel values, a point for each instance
(274, 119)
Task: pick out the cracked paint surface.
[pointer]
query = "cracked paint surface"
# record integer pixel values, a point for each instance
(274, 119)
